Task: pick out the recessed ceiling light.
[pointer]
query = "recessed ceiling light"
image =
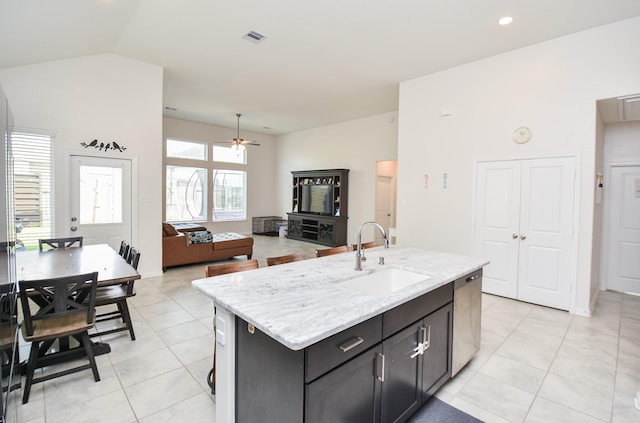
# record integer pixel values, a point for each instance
(505, 20)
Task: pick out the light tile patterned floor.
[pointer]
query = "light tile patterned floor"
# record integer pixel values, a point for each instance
(535, 365)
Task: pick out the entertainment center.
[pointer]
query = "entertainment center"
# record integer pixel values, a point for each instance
(319, 204)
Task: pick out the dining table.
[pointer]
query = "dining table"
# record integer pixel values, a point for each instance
(60, 262)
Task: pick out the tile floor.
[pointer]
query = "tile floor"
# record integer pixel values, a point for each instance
(535, 365)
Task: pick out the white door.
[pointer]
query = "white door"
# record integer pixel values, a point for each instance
(624, 238)
(524, 226)
(100, 195)
(383, 204)
(497, 221)
(546, 232)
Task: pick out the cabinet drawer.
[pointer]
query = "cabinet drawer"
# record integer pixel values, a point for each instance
(402, 316)
(335, 350)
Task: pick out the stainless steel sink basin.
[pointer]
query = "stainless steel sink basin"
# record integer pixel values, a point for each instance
(384, 282)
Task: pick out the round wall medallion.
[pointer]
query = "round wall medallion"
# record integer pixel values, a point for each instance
(521, 135)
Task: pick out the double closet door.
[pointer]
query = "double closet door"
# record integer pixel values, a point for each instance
(524, 224)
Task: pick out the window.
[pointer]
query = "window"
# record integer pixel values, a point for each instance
(194, 181)
(33, 187)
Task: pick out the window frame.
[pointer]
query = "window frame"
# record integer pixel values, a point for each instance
(210, 166)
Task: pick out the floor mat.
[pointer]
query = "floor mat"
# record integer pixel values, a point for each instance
(436, 411)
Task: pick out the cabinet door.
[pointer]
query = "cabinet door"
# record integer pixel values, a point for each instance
(436, 367)
(401, 393)
(348, 394)
(294, 228)
(325, 233)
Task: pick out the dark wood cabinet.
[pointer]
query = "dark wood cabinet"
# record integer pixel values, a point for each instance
(319, 204)
(381, 370)
(349, 394)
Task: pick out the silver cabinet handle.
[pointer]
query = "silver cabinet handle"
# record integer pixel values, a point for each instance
(425, 334)
(523, 237)
(352, 343)
(514, 236)
(427, 339)
(74, 228)
(381, 376)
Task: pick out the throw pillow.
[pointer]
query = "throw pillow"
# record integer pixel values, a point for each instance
(168, 230)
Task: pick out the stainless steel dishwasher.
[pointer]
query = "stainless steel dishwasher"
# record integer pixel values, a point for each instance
(467, 314)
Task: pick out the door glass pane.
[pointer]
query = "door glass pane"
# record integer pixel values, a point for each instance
(229, 195)
(186, 189)
(100, 195)
(186, 150)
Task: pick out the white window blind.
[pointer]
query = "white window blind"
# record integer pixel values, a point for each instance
(33, 180)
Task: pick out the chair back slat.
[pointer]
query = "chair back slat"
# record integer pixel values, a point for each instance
(287, 258)
(134, 257)
(51, 243)
(224, 268)
(58, 297)
(331, 251)
(124, 249)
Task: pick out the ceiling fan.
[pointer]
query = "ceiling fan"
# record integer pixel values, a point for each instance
(238, 143)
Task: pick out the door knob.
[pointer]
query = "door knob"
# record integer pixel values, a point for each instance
(74, 228)
(514, 236)
(523, 237)
(73, 219)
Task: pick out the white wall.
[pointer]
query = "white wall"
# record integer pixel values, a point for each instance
(104, 97)
(551, 87)
(261, 195)
(356, 145)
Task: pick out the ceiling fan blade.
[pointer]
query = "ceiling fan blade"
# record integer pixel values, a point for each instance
(249, 142)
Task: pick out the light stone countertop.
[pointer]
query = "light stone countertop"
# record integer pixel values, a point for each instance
(301, 303)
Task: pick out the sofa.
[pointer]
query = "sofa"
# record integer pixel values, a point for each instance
(189, 243)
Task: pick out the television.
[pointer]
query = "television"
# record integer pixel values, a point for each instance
(317, 199)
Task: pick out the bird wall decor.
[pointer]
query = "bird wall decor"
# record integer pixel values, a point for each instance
(102, 146)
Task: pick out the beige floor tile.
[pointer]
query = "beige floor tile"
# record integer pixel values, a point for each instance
(489, 394)
(161, 392)
(111, 408)
(537, 357)
(536, 339)
(200, 408)
(546, 411)
(169, 319)
(200, 371)
(194, 350)
(577, 395)
(514, 373)
(183, 333)
(144, 367)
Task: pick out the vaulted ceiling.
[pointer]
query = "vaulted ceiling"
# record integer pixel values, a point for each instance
(321, 62)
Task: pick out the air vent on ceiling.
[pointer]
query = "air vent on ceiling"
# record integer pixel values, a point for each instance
(253, 36)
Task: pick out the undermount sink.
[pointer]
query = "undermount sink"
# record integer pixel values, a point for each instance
(384, 282)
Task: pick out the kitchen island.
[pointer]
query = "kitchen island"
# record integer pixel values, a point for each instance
(278, 330)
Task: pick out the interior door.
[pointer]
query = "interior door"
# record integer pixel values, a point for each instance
(546, 231)
(497, 223)
(383, 204)
(524, 225)
(100, 196)
(624, 236)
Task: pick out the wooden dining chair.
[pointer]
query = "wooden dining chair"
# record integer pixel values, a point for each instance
(9, 351)
(217, 270)
(55, 309)
(371, 244)
(231, 267)
(288, 258)
(117, 295)
(331, 251)
(51, 243)
(124, 249)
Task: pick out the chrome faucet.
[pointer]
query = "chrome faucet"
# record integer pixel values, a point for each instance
(360, 252)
